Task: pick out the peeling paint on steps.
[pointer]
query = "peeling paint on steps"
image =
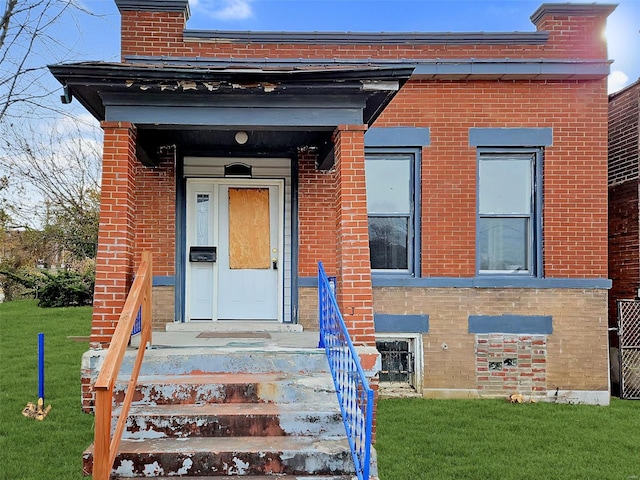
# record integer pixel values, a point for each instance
(174, 361)
(229, 388)
(219, 420)
(290, 413)
(225, 456)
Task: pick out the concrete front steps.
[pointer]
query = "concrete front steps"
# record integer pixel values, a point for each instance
(229, 412)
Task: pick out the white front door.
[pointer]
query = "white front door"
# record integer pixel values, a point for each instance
(242, 222)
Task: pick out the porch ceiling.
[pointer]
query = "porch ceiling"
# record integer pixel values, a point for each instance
(205, 142)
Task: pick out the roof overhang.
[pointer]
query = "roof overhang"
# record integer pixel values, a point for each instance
(200, 107)
(101, 86)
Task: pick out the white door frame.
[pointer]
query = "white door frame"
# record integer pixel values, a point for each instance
(214, 184)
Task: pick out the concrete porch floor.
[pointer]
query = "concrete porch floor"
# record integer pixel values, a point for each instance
(251, 334)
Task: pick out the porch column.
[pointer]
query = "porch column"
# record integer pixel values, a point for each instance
(355, 296)
(114, 260)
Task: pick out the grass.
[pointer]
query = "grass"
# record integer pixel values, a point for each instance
(492, 439)
(417, 439)
(51, 449)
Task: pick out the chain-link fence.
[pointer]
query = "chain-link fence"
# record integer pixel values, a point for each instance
(629, 349)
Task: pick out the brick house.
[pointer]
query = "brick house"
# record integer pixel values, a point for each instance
(453, 183)
(624, 203)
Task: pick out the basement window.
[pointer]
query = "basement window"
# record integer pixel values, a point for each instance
(401, 366)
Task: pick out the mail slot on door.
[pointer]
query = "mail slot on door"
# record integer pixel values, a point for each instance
(202, 254)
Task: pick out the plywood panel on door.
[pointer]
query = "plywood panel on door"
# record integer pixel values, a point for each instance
(249, 228)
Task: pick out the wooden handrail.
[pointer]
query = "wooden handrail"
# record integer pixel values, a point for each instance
(106, 446)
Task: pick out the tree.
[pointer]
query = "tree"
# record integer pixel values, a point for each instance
(49, 160)
(53, 182)
(27, 45)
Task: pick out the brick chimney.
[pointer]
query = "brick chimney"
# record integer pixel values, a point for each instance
(152, 27)
(576, 29)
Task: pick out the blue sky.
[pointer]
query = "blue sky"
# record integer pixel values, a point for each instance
(97, 38)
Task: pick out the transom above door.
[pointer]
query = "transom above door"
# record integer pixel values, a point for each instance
(234, 264)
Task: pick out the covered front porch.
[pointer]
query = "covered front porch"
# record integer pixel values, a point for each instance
(227, 175)
(235, 181)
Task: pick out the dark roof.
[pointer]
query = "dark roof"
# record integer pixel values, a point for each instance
(632, 86)
(370, 38)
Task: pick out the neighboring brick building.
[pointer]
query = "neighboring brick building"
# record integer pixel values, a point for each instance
(454, 183)
(624, 202)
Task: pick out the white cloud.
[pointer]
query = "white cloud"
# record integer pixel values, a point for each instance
(75, 124)
(617, 80)
(224, 9)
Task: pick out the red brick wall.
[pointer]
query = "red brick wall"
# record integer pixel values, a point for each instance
(576, 36)
(156, 215)
(507, 363)
(138, 211)
(354, 294)
(316, 224)
(160, 34)
(624, 244)
(144, 32)
(624, 135)
(624, 197)
(575, 224)
(114, 260)
(137, 214)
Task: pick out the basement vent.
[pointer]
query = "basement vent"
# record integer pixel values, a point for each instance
(401, 358)
(397, 361)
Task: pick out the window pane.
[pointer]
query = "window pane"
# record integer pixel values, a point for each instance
(504, 244)
(505, 185)
(388, 242)
(202, 223)
(388, 184)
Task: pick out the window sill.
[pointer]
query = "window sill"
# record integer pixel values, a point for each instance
(476, 282)
(502, 281)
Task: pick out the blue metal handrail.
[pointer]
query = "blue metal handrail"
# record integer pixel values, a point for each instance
(137, 326)
(352, 387)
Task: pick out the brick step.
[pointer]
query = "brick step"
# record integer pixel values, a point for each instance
(234, 419)
(230, 388)
(236, 456)
(164, 361)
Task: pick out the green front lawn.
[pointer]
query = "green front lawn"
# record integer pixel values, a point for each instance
(417, 439)
(493, 439)
(50, 449)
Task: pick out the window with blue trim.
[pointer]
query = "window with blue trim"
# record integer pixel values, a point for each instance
(391, 192)
(509, 211)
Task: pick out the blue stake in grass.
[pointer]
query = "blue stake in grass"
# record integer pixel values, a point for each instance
(41, 368)
(38, 411)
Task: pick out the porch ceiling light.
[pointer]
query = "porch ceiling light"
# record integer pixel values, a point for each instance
(241, 137)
